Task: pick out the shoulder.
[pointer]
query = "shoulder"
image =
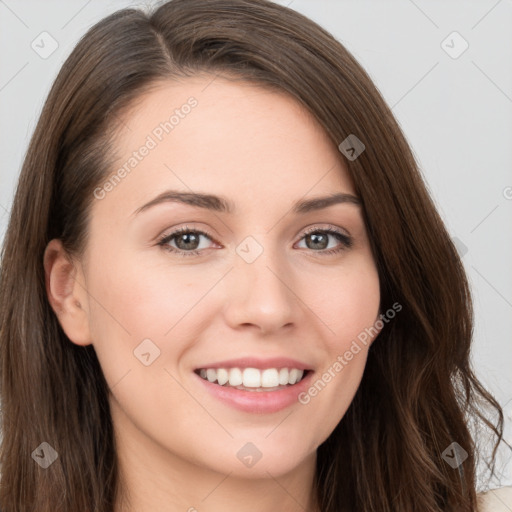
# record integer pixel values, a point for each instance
(496, 500)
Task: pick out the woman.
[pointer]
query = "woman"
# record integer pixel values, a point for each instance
(224, 284)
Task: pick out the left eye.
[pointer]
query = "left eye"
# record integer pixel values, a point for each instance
(187, 241)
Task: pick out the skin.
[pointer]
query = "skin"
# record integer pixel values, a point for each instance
(177, 444)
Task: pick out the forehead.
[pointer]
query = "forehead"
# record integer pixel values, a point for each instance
(226, 137)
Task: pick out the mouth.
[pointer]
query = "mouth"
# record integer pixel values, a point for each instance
(255, 385)
(254, 379)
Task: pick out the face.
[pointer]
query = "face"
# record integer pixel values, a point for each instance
(184, 294)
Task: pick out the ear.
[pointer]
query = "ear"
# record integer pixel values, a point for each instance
(66, 292)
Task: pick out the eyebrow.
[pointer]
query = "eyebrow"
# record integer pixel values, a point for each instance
(224, 205)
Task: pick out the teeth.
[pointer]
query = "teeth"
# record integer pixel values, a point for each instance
(269, 378)
(252, 377)
(222, 376)
(294, 376)
(235, 377)
(283, 376)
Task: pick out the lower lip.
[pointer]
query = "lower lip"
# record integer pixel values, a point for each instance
(258, 401)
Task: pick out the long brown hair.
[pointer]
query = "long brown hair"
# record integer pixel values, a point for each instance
(418, 391)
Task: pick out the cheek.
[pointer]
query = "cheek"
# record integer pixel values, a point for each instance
(136, 301)
(143, 300)
(349, 303)
(354, 326)
(140, 330)
(350, 309)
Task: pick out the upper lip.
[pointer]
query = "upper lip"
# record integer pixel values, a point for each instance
(261, 364)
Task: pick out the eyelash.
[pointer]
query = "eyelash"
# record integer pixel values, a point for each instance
(345, 240)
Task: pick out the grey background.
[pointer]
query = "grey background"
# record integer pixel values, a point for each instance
(455, 112)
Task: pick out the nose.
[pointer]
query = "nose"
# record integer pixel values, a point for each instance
(261, 294)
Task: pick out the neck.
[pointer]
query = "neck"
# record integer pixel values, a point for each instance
(196, 489)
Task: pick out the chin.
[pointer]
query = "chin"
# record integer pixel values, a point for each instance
(260, 459)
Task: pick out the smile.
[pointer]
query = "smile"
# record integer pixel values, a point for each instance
(253, 385)
(253, 379)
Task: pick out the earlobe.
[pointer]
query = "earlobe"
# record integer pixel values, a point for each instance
(66, 294)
